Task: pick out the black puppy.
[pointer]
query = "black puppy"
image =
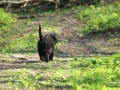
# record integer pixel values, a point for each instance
(46, 46)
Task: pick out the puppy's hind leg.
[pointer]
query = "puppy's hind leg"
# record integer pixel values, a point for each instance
(51, 56)
(46, 58)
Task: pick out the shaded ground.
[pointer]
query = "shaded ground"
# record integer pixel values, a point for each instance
(74, 43)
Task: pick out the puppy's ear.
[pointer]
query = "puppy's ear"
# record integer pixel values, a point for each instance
(55, 37)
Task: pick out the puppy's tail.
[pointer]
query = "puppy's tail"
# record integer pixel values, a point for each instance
(40, 33)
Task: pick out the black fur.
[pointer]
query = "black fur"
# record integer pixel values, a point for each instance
(46, 46)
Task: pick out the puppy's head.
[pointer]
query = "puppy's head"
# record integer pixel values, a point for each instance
(55, 37)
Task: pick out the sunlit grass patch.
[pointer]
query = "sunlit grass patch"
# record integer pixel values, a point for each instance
(77, 73)
(29, 41)
(50, 27)
(100, 18)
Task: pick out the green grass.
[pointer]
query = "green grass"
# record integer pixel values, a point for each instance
(14, 40)
(6, 20)
(100, 18)
(23, 43)
(91, 73)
